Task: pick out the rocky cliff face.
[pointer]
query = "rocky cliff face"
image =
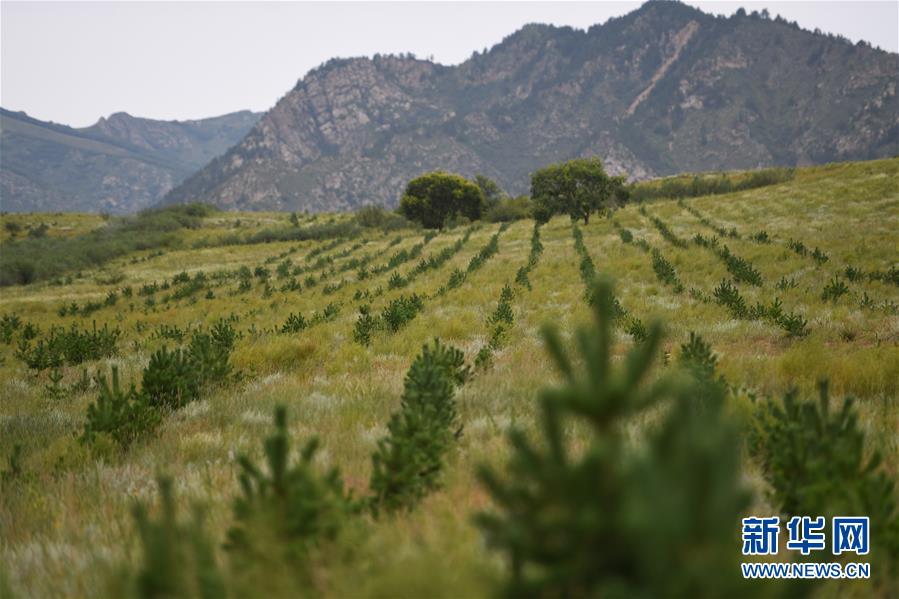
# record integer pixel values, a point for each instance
(120, 164)
(664, 89)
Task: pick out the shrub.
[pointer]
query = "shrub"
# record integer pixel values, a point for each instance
(329, 312)
(834, 289)
(122, 415)
(691, 186)
(456, 278)
(854, 274)
(290, 503)
(609, 518)
(294, 323)
(400, 311)
(817, 462)
(43, 257)
(726, 294)
(72, 347)
(786, 283)
(396, 281)
(170, 379)
(794, 325)
(365, 325)
(409, 461)
(178, 558)
(760, 237)
(697, 357)
(503, 312)
(742, 270)
(819, 256)
(486, 252)
(9, 324)
(376, 217)
(510, 209)
(521, 278)
(798, 247)
(209, 359)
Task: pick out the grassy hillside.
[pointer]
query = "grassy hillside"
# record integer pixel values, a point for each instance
(65, 517)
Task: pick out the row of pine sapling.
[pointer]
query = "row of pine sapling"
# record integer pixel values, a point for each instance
(171, 380)
(631, 324)
(398, 281)
(403, 309)
(502, 319)
(832, 291)
(663, 269)
(290, 517)
(726, 294)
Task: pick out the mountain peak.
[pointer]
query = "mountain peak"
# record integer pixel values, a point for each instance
(664, 89)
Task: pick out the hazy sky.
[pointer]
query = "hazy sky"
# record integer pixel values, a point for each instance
(72, 62)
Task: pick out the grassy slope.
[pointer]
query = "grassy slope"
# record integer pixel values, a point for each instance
(65, 527)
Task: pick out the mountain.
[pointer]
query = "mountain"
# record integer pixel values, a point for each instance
(120, 164)
(662, 90)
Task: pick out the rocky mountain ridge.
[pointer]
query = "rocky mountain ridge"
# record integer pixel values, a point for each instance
(120, 164)
(662, 90)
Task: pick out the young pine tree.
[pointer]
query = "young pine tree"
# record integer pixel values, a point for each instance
(609, 518)
(410, 459)
(285, 512)
(178, 558)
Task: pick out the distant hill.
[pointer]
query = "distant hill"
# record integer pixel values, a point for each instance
(663, 90)
(120, 164)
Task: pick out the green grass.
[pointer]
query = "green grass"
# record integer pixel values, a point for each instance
(65, 522)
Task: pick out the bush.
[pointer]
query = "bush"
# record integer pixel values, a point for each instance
(294, 323)
(122, 415)
(691, 186)
(409, 460)
(170, 380)
(209, 358)
(510, 209)
(611, 518)
(741, 269)
(40, 258)
(365, 325)
(72, 347)
(834, 289)
(376, 217)
(400, 311)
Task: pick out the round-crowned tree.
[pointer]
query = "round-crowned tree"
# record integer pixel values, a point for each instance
(578, 188)
(434, 198)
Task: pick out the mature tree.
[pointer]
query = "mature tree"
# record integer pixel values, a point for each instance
(434, 198)
(578, 188)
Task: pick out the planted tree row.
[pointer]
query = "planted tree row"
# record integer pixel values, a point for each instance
(663, 269)
(400, 311)
(631, 324)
